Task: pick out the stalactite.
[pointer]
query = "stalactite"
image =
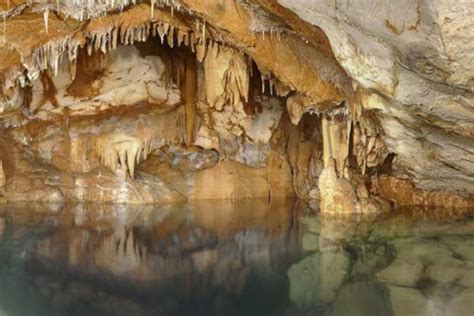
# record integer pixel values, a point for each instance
(326, 141)
(115, 32)
(192, 41)
(152, 8)
(46, 18)
(200, 51)
(336, 139)
(182, 38)
(227, 77)
(367, 146)
(51, 53)
(190, 97)
(49, 90)
(73, 69)
(170, 36)
(203, 39)
(122, 152)
(4, 29)
(3, 179)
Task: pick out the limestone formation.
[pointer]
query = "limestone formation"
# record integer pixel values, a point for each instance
(165, 100)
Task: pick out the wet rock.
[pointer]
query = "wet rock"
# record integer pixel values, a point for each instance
(310, 242)
(452, 270)
(461, 246)
(371, 257)
(194, 159)
(360, 299)
(313, 224)
(462, 303)
(230, 179)
(315, 280)
(38, 193)
(104, 186)
(405, 193)
(418, 259)
(427, 222)
(408, 302)
(402, 272)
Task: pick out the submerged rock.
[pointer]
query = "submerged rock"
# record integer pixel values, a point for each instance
(315, 280)
(402, 272)
(360, 299)
(408, 302)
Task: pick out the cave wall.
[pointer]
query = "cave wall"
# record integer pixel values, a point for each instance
(417, 59)
(176, 100)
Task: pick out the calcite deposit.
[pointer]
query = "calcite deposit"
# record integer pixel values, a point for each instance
(357, 106)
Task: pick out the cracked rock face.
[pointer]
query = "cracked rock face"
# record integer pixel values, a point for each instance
(160, 101)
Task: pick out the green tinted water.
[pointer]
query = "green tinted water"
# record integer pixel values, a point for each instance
(232, 258)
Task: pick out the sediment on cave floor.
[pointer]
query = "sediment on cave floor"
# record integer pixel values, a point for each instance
(169, 101)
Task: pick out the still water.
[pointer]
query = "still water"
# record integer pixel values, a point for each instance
(248, 257)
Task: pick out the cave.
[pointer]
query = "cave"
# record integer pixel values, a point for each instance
(154, 133)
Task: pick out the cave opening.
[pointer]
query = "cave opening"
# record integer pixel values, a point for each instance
(163, 106)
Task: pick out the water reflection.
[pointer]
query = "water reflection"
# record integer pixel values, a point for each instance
(208, 258)
(411, 262)
(246, 257)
